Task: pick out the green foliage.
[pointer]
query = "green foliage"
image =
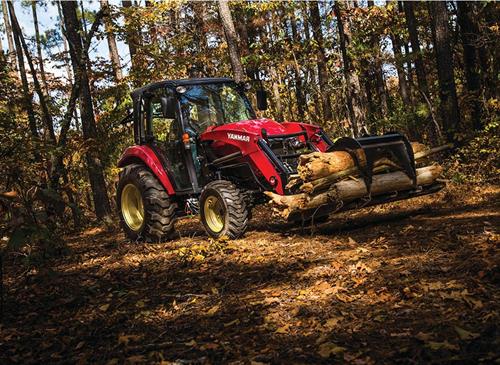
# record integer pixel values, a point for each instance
(477, 161)
(36, 243)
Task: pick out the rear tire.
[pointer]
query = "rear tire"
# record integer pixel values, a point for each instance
(223, 210)
(145, 209)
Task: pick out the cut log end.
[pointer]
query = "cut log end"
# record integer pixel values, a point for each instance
(349, 190)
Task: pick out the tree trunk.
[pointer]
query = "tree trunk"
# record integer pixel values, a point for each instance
(113, 49)
(231, 40)
(132, 36)
(200, 37)
(379, 71)
(8, 33)
(27, 94)
(402, 82)
(444, 57)
(356, 100)
(46, 115)
(39, 49)
(411, 23)
(65, 42)
(320, 59)
(299, 91)
(469, 35)
(95, 169)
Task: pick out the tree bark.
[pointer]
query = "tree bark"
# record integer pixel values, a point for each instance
(298, 82)
(46, 115)
(27, 94)
(276, 93)
(356, 100)
(9, 35)
(65, 42)
(469, 34)
(96, 176)
(132, 35)
(411, 23)
(402, 81)
(39, 49)
(379, 71)
(320, 59)
(113, 49)
(444, 57)
(231, 40)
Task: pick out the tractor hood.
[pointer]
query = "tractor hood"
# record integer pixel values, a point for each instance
(255, 126)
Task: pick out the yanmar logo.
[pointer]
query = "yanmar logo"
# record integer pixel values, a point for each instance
(238, 137)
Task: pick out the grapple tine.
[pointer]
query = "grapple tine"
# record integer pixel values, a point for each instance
(394, 146)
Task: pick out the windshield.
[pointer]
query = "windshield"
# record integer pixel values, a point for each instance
(214, 104)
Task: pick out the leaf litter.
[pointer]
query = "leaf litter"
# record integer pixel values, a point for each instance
(396, 283)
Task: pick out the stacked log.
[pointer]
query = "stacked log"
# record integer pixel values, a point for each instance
(333, 178)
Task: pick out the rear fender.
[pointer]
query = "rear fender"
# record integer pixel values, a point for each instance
(144, 154)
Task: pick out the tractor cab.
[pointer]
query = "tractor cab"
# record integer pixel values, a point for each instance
(170, 116)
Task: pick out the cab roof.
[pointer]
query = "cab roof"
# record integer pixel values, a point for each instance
(174, 83)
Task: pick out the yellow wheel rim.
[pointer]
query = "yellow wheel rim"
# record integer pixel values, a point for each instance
(214, 212)
(132, 207)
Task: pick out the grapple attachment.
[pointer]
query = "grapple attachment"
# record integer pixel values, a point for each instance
(366, 151)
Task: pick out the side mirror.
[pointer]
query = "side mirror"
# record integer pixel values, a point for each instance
(261, 99)
(168, 107)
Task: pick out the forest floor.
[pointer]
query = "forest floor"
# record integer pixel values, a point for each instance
(414, 282)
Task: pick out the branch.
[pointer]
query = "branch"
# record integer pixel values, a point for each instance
(75, 89)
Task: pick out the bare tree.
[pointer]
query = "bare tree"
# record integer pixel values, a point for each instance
(8, 33)
(46, 115)
(39, 48)
(411, 23)
(231, 40)
(444, 57)
(113, 49)
(469, 34)
(320, 59)
(95, 170)
(356, 102)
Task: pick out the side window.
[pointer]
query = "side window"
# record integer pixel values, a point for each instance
(162, 129)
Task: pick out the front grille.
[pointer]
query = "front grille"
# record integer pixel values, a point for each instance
(288, 148)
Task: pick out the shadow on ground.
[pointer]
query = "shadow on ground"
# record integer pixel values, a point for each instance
(412, 282)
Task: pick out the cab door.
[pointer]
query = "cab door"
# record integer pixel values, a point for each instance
(165, 136)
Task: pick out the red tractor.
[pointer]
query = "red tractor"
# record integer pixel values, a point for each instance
(199, 148)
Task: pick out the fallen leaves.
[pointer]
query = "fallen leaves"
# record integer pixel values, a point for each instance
(126, 339)
(464, 334)
(213, 310)
(272, 295)
(104, 307)
(445, 345)
(328, 349)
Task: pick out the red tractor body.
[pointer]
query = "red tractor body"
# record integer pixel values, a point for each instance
(200, 149)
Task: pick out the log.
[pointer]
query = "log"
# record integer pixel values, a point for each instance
(322, 164)
(431, 151)
(332, 166)
(349, 190)
(318, 184)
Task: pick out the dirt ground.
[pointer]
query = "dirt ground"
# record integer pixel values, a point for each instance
(413, 282)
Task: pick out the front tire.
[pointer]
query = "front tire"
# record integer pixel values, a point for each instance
(223, 210)
(145, 209)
